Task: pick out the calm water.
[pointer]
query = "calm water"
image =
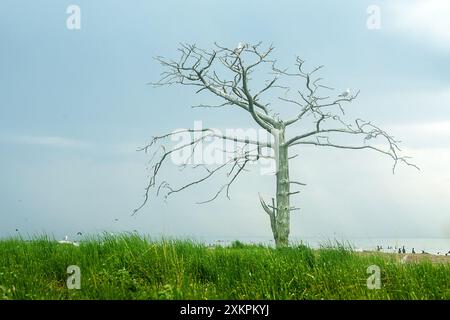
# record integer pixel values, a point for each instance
(430, 245)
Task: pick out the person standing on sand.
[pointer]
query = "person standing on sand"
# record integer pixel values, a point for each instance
(403, 249)
(399, 250)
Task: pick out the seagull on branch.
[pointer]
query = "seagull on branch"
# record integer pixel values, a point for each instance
(345, 94)
(241, 46)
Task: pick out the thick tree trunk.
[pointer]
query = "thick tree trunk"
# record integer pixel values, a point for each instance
(282, 213)
(279, 211)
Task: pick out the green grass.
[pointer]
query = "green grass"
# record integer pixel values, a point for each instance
(130, 267)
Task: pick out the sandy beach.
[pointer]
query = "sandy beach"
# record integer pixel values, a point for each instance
(412, 258)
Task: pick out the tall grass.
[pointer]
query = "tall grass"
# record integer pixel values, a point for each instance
(131, 267)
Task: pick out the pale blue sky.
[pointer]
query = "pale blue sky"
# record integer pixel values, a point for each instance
(74, 106)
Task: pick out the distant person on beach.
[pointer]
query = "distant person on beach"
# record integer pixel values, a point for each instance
(413, 251)
(403, 249)
(399, 250)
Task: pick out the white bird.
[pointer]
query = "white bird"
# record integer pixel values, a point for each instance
(241, 46)
(344, 94)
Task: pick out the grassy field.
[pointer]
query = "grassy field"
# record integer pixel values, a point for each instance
(129, 267)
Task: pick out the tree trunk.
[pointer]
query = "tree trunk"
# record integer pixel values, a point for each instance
(282, 213)
(279, 211)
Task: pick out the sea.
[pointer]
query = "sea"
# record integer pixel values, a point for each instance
(440, 246)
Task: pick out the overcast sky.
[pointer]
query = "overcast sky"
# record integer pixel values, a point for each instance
(74, 107)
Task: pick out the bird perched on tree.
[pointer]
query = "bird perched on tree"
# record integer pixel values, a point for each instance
(241, 46)
(344, 94)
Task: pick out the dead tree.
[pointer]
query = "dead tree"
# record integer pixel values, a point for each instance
(227, 74)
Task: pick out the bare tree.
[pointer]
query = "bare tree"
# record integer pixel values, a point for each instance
(226, 73)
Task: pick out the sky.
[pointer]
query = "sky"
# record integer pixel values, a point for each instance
(75, 106)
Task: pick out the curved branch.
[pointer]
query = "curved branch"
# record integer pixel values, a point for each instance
(245, 157)
(391, 153)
